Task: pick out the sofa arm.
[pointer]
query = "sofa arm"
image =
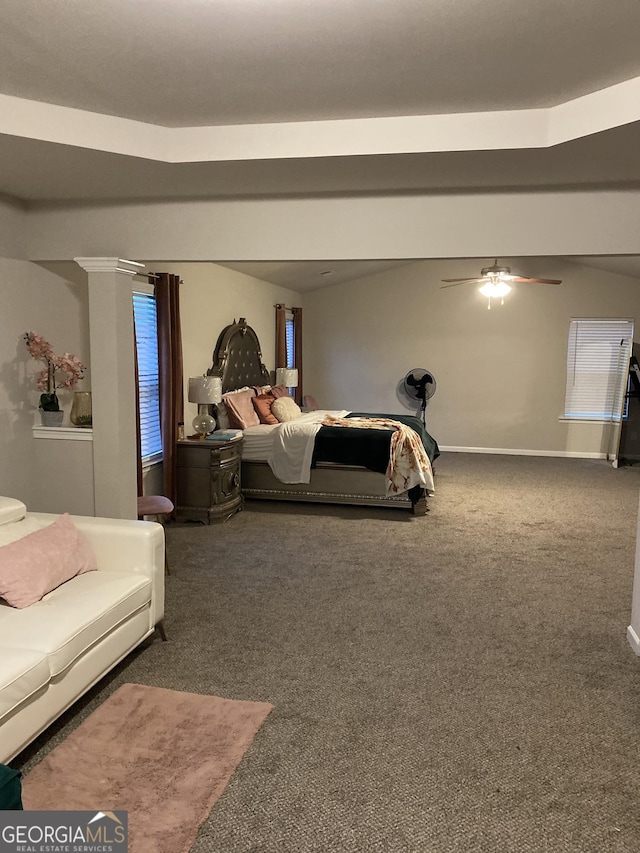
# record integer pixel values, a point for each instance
(123, 545)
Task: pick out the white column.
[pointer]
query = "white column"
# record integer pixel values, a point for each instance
(113, 388)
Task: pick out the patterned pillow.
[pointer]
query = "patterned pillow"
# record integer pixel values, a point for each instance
(286, 409)
(240, 409)
(262, 404)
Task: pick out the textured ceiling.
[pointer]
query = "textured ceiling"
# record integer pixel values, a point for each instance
(212, 62)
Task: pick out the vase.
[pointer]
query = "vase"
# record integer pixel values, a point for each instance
(51, 419)
(81, 409)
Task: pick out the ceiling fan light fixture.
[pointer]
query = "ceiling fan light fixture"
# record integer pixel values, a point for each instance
(494, 281)
(495, 289)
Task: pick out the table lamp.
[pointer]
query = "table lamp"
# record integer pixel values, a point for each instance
(205, 391)
(287, 376)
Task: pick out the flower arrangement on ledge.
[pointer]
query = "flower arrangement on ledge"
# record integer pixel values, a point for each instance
(60, 371)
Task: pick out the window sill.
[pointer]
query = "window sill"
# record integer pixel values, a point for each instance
(588, 420)
(64, 433)
(151, 463)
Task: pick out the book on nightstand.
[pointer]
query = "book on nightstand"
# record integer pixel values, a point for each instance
(225, 435)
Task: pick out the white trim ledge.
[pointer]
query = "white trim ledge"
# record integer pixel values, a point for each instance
(633, 639)
(509, 451)
(110, 265)
(64, 433)
(565, 419)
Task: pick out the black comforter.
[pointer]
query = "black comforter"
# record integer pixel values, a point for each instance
(366, 447)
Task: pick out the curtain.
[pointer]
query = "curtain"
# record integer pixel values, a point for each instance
(167, 288)
(281, 336)
(297, 352)
(281, 344)
(138, 439)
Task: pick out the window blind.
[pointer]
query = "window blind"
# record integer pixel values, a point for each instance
(597, 368)
(146, 331)
(289, 332)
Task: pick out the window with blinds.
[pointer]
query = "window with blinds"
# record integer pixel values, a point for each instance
(146, 331)
(598, 368)
(289, 332)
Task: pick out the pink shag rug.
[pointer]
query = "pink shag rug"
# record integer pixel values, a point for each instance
(163, 756)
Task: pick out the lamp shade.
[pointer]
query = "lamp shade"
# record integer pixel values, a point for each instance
(287, 376)
(205, 390)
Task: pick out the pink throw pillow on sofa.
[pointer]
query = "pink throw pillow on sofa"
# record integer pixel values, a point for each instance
(34, 565)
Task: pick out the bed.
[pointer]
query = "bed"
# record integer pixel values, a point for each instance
(347, 465)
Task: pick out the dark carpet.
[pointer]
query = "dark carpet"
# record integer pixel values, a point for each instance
(459, 682)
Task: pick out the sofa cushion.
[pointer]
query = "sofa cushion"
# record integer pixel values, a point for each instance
(75, 616)
(12, 532)
(39, 562)
(11, 510)
(23, 673)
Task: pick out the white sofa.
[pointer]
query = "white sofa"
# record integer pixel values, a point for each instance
(56, 649)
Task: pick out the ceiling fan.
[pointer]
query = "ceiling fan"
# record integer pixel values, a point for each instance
(495, 281)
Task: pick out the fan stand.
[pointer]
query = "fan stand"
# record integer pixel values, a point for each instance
(423, 409)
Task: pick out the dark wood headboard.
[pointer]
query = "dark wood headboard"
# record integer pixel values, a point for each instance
(237, 358)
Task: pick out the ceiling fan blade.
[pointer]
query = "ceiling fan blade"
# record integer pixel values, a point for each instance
(537, 280)
(456, 281)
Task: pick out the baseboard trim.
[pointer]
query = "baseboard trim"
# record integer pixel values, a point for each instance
(633, 639)
(509, 451)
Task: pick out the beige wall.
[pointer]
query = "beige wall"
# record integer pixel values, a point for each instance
(44, 474)
(212, 297)
(13, 234)
(500, 373)
(410, 226)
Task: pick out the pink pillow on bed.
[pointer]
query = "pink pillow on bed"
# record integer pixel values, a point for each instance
(39, 562)
(262, 389)
(240, 409)
(262, 405)
(279, 391)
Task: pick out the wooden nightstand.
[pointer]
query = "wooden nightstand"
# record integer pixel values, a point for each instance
(208, 480)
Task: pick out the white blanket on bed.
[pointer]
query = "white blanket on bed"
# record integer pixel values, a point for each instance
(292, 448)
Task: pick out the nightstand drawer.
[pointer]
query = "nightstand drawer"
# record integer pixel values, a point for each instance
(203, 455)
(226, 452)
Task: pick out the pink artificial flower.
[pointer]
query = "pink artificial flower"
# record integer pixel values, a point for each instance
(38, 346)
(68, 363)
